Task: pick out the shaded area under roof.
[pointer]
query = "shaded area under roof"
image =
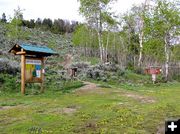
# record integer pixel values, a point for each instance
(31, 49)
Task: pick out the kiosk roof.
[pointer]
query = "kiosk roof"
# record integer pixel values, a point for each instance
(31, 49)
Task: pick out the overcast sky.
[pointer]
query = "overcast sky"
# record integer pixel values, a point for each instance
(63, 9)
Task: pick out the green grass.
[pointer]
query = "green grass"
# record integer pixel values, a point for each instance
(106, 110)
(71, 85)
(9, 84)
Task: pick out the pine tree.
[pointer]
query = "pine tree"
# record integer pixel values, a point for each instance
(3, 19)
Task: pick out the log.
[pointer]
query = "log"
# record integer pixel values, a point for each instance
(20, 53)
(22, 73)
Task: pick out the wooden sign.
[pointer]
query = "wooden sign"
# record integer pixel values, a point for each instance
(32, 69)
(153, 70)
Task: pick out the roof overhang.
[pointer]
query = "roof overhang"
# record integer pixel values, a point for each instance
(32, 50)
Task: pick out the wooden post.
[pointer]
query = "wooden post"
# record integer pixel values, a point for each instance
(42, 75)
(22, 73)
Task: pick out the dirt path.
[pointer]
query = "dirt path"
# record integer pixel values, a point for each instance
(92, 87)
(88, 88)
(142, 99)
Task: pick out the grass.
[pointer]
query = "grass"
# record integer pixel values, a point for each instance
(105, 110)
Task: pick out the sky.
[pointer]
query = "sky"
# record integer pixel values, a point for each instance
(63, 9)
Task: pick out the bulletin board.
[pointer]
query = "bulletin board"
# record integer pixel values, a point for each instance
(33, 70)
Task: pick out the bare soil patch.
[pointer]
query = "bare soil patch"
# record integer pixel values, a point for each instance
(92, 87)
(161, 129)
(66, 110)
(143, 99)
(69, 110)
(140, 98)
(6, 107)
(89, 88)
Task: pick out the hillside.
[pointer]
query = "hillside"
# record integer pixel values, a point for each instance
(89, 68)
(10, 64)
(60, 43)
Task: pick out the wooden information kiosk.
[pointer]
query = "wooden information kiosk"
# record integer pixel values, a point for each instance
(32, 63)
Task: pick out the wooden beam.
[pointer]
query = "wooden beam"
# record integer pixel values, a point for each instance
(42, 75)
(13, 51)
(17, 46)
(22, 73)
(20, 53)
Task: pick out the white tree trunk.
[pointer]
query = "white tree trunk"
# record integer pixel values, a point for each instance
(141, 34)
(107, 44)
(166, 49)
(100, 46)
(103, 53)
(100, 42)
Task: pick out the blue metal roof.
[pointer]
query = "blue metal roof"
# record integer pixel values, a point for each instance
(37, 48)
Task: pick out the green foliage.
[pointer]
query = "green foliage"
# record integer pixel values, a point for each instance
(47, 24)
(130, 66)
(85, 37)
(10, 103)
(88, 8)
(129, 33)
(15, 31)
(169, 13)
(160, 21)
(176, 77)
(92, 60)
(29, 24)
(68, 86)
(175, 52)
(98, 16)
(155, 48)
(3, 19)
(8, 83)
(135, 78)
(81, 35)
(18, 14)
(51, 43)
(58, 26)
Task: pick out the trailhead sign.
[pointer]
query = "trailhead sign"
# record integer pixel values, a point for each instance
(32, 62)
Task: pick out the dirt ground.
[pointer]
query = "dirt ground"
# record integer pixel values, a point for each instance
(92, 87)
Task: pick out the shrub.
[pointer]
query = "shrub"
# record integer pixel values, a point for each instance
(70, 85)
(139, 70)
(176, 77)
(9, 83)
(130, 66)
(8, 66)
(80, 65)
